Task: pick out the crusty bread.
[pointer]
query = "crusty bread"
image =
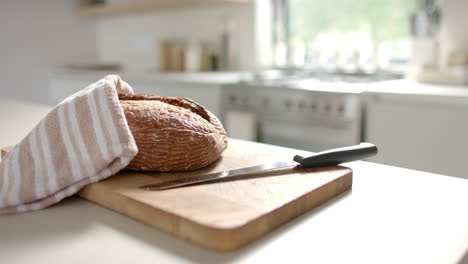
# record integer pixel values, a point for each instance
(172, 134)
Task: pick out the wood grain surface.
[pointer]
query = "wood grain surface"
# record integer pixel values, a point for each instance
(228, 214)
(5, 150)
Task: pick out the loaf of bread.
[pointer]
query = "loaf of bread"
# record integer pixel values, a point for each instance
(172, 134)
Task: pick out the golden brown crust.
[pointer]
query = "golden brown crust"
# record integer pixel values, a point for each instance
(176, 101)
(172, 134)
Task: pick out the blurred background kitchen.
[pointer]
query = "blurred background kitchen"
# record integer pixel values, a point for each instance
(306, 74)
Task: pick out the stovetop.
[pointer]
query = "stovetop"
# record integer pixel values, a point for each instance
(292, 77)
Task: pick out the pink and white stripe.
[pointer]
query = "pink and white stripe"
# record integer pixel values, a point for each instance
(84, 139)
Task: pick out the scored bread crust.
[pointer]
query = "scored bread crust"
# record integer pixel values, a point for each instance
(172, 134)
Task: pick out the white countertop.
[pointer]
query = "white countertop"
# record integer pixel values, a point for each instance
(393, 87)
(174, 77)
(435, 95)
(391, 215)
(410, 87)
(413, 89)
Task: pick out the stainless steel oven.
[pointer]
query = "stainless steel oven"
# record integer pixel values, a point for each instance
(306, 114)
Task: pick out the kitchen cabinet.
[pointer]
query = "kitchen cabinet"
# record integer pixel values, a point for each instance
(203, 88)
(60, 88)
(18, 118)
(124, 7)
(419, 127)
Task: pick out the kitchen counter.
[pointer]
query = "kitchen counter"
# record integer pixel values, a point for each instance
(408, 90)
(410, 87)
(202, 87)
(182, 77)
(419, 126)
(392, 215)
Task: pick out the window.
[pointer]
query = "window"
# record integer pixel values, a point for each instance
(348, 35)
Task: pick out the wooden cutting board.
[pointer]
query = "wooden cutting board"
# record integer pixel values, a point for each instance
(223, 215)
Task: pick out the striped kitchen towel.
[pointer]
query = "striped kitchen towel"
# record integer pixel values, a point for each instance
(82, 140)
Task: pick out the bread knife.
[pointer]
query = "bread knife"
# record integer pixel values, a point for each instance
(321, 159)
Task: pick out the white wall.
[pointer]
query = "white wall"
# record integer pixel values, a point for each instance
(133, 39)
(36, 37)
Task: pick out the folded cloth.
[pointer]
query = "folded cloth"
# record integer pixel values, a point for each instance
(82, 140)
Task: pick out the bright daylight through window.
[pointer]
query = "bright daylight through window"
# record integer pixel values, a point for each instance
(342, 35)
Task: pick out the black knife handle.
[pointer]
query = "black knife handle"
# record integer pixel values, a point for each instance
(336, 156)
